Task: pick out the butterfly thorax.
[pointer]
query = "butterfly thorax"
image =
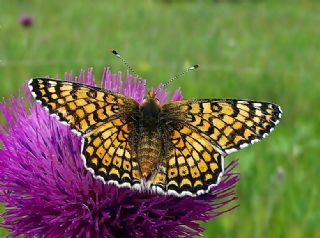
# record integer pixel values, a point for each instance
(150, 139)
(150, 112)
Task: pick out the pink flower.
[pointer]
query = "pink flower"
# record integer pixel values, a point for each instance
(48, 192)
(26, 20)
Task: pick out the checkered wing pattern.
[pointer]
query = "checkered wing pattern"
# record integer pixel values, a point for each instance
(102, 118)
(193, 164)
(205, 131)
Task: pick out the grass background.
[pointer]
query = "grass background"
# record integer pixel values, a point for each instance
(247, 49)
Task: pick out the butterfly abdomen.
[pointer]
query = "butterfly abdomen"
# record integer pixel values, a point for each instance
(149, 151)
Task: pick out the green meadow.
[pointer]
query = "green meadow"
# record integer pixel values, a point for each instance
(261, 50)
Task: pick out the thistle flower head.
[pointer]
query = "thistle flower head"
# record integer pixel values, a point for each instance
(26, 20)
(47, 192)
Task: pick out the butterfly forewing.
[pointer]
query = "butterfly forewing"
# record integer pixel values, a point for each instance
(103, 119)
(82, 107)
(228, 124)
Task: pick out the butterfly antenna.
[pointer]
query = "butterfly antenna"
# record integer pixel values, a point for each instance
(180, 75)
(125, 62)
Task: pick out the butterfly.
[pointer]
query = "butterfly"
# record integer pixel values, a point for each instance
(176, 149)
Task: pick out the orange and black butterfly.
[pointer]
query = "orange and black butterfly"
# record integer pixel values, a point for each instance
(177, 148)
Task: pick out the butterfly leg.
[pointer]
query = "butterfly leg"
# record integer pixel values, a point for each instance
(158, 179)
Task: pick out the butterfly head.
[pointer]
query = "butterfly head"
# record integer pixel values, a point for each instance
(151, 93)
(151, 97)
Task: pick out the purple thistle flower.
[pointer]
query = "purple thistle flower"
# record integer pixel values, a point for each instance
(26, 20)
(48, 192)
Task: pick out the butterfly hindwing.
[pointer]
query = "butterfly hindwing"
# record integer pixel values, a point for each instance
(103, 120)
(229, 124)
(108, 152)
(193, 165)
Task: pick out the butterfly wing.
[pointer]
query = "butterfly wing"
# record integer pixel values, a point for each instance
(108, 152)
(230, 124)
(193, 164)
(105, 121)
(203, 132)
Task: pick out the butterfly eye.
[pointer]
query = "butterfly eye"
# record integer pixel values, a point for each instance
(144, 100)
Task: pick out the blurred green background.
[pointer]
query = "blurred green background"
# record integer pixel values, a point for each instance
(266, 51)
